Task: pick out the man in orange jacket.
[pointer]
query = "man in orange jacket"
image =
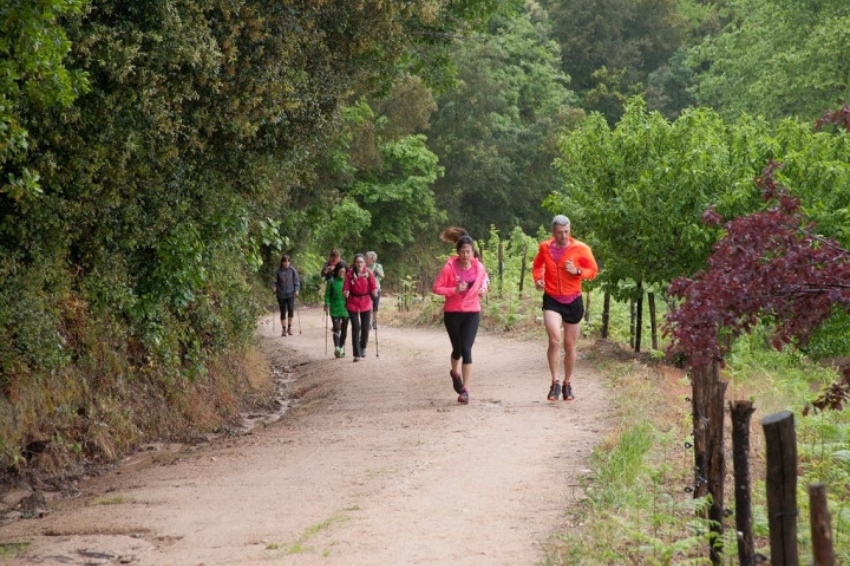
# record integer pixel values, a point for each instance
(558, 269)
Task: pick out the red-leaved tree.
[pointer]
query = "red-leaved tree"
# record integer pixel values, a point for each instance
(769, 266)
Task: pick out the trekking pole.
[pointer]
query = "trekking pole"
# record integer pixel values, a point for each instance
(377, 354)
(326, 335)
(299, 320)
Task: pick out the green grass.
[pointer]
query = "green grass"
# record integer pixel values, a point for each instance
(12, 549)
(300, 545)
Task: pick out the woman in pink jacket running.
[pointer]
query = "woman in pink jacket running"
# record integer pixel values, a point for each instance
(463, 280)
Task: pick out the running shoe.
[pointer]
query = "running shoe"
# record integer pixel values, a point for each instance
(568, 392)
(457, 382)
(337, 352)
(554, 391)
(463, 398)
(356, 358)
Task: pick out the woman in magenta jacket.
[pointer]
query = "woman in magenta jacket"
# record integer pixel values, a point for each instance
(359, 288)
(463, 280)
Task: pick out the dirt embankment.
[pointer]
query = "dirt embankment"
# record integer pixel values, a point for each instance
(373, 463)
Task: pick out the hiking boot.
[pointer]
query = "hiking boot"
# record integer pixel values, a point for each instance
(457, 381)
(554, 391)
(374, 325)
(337, 352)
(463, 398)
(568, 392)
(289, 331)
(356, 358)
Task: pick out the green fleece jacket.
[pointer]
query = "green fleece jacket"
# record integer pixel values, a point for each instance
(334, 299)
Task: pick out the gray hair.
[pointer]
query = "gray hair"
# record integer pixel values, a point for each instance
(560, 220)
(372, 255)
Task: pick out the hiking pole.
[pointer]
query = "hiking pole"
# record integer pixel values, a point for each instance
(326, 335)
(377, 354)
(299, 320)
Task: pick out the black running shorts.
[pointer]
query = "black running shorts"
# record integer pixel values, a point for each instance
(571, 313)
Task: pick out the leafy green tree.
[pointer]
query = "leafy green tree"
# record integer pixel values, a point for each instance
(776, 59)
(33, 74)
(496, 132)
(610, 47)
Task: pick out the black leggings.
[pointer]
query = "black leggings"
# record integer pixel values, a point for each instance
(462, 328)
(286, 305)
(359, 331)
(340, 330)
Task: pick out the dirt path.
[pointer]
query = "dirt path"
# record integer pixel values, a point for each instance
(375, 464)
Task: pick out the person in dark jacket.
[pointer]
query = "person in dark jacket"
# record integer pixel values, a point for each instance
(334, 257)
(286, 287)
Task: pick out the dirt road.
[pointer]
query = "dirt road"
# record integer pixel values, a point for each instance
(374, 464)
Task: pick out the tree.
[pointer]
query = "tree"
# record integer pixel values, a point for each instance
(776, 59)
(610, 47)
(33, 74)
(496, 132)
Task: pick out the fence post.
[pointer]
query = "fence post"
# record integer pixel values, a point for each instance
(741, 411)
(501, 267)
(716, 461)
(782, 487)
(652, 320)
(522, 269)
(606, 313)
(821, 529)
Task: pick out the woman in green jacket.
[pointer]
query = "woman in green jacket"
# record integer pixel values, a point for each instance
(335, 306)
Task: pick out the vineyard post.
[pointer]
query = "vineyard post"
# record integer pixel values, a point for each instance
(716, 461)
(781, 487)
(741, 411)
(652, 320)
(606, 313)
(824, 554)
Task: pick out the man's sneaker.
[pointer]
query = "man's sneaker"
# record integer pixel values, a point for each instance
(568, 392)
(463, 398)
(374, 325)
(337, 352)
(356, 358)
(554, 391)
(457, 382)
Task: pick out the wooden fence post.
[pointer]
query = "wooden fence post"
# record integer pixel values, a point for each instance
(522, 269)
(782, 487)
(652, 320)
(741, 411)
(716, 461)
(606, 314)
(821, 529)
(501, 267)
(707, 403)
(639, 318)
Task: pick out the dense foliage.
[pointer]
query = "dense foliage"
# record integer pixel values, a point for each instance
(148, 154)
(777, 59)
(768, 266)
